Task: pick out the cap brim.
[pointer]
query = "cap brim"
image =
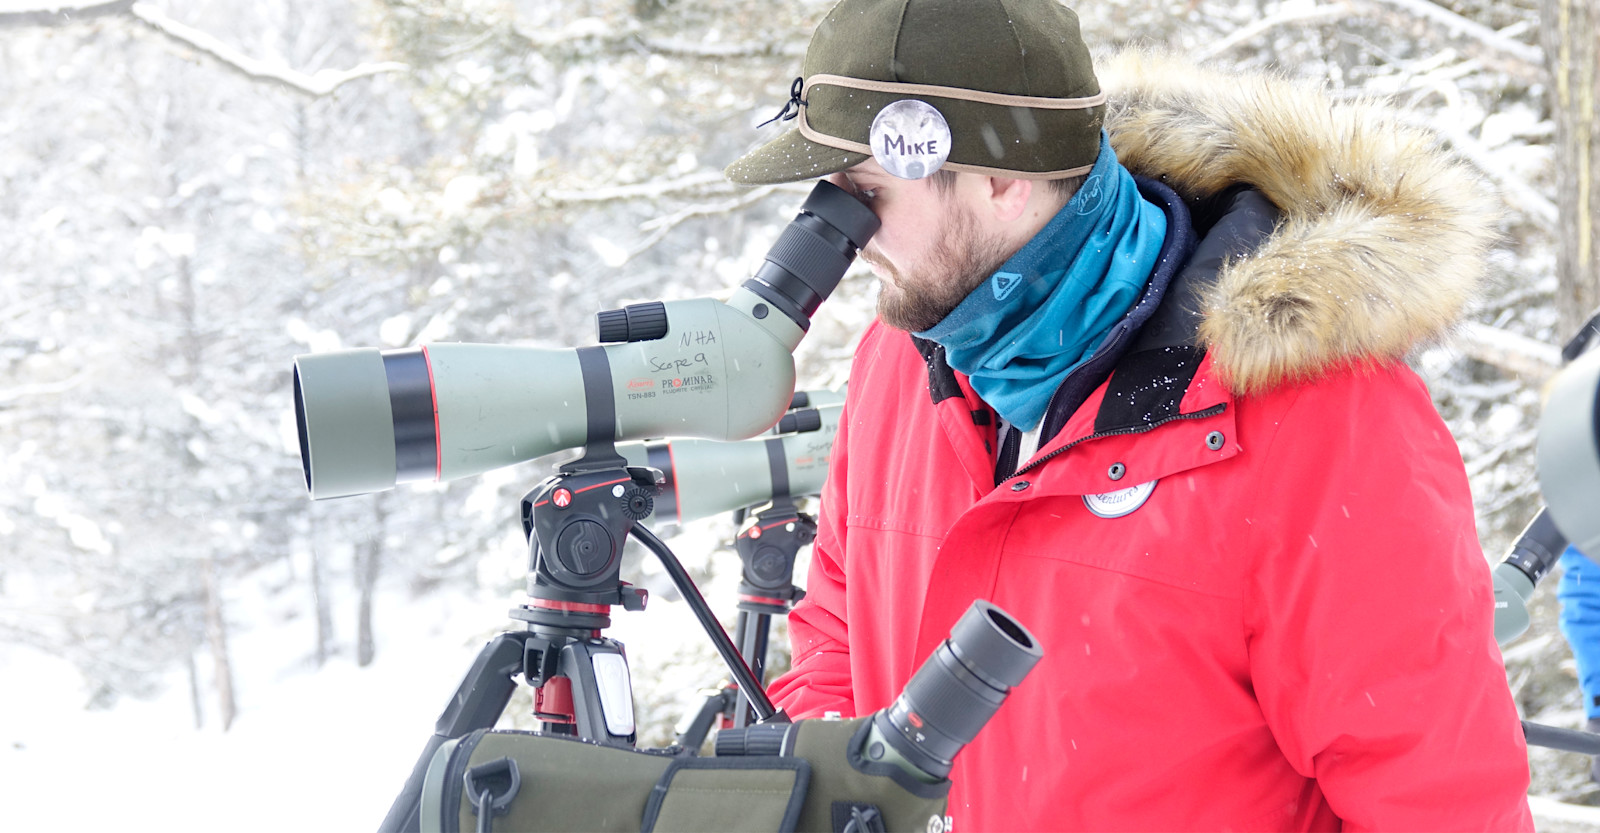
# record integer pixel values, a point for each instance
(790, 158)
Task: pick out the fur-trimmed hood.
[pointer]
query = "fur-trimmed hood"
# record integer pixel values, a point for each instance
(1383, 236)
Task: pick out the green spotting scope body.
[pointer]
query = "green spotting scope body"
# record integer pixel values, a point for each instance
(701, 368)
(718, 373)
(1569, 477)
(1569, 451)
(706, 477)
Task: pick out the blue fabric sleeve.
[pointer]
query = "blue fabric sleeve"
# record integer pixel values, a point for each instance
(1579, 592)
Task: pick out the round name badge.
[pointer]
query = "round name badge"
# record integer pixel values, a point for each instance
(1121, 502)
(910, 139)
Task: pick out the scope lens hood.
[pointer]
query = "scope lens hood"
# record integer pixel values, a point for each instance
(346, 424)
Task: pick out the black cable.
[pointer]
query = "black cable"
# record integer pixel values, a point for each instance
(702, 611)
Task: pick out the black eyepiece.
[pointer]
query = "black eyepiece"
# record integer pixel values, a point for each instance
(953, 695)
(842, 211)
(813, 252)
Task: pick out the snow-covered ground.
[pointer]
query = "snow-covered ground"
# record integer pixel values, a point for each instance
(322, 750)
(310, 749)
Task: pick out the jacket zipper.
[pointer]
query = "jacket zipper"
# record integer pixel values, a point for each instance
(1116, 432)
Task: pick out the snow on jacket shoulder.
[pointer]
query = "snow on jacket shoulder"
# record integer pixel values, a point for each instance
(1250, 560)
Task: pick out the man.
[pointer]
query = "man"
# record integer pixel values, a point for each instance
(1163, 422)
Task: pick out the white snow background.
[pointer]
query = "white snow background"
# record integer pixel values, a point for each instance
(311, 749)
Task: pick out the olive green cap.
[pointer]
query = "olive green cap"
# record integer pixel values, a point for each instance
(1012, 78)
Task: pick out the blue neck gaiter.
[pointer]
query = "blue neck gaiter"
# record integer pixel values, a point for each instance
(1044, 312)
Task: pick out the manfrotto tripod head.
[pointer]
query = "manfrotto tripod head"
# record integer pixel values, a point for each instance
(576, 523)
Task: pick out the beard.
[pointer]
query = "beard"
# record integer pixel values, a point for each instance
(961, 260)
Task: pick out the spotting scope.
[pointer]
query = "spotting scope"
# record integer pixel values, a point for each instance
(700, 368)
(1569, 452)
(1569, 477)
(942, 707)
(705, 477)
(1531, 558)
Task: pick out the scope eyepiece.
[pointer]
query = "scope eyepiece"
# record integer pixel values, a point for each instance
(811, 255)
(956, 692)
(843, 211)
(943, 707)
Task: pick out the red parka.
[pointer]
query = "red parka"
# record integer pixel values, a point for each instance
(1262, 610)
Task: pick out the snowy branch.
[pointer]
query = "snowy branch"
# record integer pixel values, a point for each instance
(660, 226)
(1514, 189)
(1518, 355)
(1558, 814)
(318, 84)
(8, 395)
(612, 35)
(584, 29)
(1523, 58)
(321, 83)
(1245, 34)
(643, 190)
(691, 49)
(1532, 57)
(62, 13)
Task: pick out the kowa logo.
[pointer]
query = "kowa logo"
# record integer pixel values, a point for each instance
(641, 384)
(1004, 283)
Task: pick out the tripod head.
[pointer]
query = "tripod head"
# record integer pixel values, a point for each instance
(576, 523)
(767, 549)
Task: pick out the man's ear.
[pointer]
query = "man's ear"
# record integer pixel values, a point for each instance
(1008, 198)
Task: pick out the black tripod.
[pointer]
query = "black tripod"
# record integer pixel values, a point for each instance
(576, 522)
(767, 550)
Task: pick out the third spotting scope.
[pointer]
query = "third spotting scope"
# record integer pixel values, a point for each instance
(1569, 451)
(954, 693)
(706, 477)
(369, 419)
(1569, 477)
(942, 707)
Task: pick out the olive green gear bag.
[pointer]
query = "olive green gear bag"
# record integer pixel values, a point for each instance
(528, 781)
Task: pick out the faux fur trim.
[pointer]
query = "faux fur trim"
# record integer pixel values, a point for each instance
(1383, 236)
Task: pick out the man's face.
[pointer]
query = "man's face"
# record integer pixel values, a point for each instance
(931, 251)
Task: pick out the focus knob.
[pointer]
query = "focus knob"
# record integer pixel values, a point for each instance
(637, 504)
(636, 322)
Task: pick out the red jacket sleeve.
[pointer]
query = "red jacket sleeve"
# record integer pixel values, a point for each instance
(819, 629)
(1371, 622)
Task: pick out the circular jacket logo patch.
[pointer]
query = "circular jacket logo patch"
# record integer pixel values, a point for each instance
(910, 139)
(1121, 502)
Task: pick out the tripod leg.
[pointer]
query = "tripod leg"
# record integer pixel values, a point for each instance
(477, 704)
(602, 693)
(752, 632)
(714, 707)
